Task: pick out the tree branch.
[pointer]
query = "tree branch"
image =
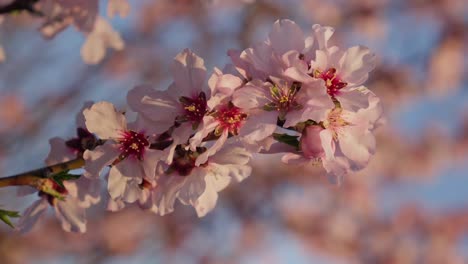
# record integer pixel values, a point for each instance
(20, 5)
(35, 178)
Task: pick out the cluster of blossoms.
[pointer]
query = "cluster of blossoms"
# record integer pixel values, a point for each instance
(292, 94)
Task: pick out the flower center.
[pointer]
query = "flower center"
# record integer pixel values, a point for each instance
(195, 108)
(230, 118)
(133, 144)
(332, 81)
(335, 122)
(283, 100)
(184, 160)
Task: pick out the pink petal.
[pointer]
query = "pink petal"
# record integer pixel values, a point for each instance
(285, 36)
(131, 167)
(97, 159)
(86, 191)
(166, 192)
(357, 145)
(236, 155)
(356, 64)
(297, 74)
(336, 169)
(71, 215)
(213, 149)
(261, 57)
(116, 183)
(258, 126)
(151, 159)
(294, 159)
(322, 35)
(194, 186)
(328, 144)
(157, 106)
(254, 94)
(353, 99)
(226, 84)
(207, 200)
(103, 120)
(32, 214)
(59, 152)
(209, 124)
(189, 73)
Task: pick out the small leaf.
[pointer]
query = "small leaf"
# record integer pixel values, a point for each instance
(64, 176)
(5, 216)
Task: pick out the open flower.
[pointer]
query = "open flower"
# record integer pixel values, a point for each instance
(181, 107)
(194, 185)
(126, 149)
(185, 101)
(286, 47)
(291, 102)
(71, 211)
(341, 72)
(344, 142)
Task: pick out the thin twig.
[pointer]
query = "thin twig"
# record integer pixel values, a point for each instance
(34, 177)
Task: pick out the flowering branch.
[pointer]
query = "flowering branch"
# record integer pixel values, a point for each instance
(192, 140)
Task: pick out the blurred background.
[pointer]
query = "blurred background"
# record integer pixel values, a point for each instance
(409, 206)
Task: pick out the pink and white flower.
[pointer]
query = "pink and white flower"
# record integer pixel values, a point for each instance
(71, 211)
(126, 149)
(344, 142)
(185, 101)
(194, 185)
(181, 107)
(80, 194)
(291, 102)
(286, 47)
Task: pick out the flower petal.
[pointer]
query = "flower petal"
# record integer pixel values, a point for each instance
(189, 73)
(59, 152)
(103, 120)
(97, 159)
(32, 214)
(285, 36)
(356, 64)
(157, 106)
(71, 215)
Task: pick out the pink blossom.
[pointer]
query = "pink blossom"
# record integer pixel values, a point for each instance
(225, 120)
(291, 101)
(344, 142)
(286, 47)
(194, 185)
(183, 103)
(343, 71)
(184, 100)
(70, 211)
(85, 190)
(125, 148)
